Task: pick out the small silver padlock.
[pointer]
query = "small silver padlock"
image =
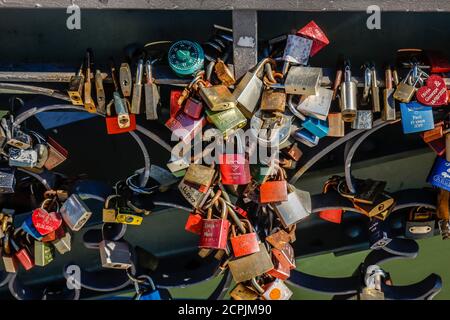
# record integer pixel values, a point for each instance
(75, 212)
(348, 97)
(42, 154)
(115, 254)
(137, 88)
(7, 180)
(297, 50)
(316, 106)
(152, 96)
(63, 244)
(363, 120)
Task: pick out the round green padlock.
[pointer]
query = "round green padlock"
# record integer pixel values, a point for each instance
(186, 57)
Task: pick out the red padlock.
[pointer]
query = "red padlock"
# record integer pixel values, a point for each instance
(174, 106)
(246, 243)
(23, 256)
(184, 127)
(332, 215)
(194, 223)
(285, 256)
(276, 190)
(313, 32)
(112, 122)
(215, 231)
(279, 271)
(46, 222)
(234, 169)
(193, 108)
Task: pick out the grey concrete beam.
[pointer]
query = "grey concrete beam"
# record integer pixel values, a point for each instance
(245, 44)
(278, 5)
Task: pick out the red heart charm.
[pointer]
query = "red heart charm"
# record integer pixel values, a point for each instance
(434, 93)
(46, 222)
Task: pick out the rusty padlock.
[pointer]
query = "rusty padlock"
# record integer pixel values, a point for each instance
(246, 243)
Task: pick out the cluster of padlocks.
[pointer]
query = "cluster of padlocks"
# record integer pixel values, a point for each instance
(244, 208)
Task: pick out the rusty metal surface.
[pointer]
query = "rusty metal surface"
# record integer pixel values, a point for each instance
(288, 5)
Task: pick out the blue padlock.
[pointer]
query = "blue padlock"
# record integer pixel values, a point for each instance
(186, 57)
(306, 137)
(416, 117)
(151, 295)
(317, 127)
(148, 291)
(29, 228)
(440, 174)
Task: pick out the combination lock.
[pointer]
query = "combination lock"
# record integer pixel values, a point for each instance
(186, 57)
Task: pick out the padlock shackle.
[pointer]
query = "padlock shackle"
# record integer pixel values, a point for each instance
(245, 222)
(108, 199)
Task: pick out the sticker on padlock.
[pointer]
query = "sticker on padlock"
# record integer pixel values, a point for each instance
(440, 174)
(215, 231)
(246, 243)
(420, 224)
(416, 117)
(277, 290)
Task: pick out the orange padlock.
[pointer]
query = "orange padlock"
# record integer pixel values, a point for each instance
(276, 190)
(332, 215)
(246, 243)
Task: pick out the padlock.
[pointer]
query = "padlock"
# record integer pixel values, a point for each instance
(42, 155)
(63, 244)
(277, 290)
(115, 254)
(10, 262)
(368, 190)
(193, 108)
(378, 234)
(28, 227)
(438, 146)
(439, 175)
(436, 133)
(45, 220)
(242, 292)
(109, 211)
(7, 180)
(56, 154)
(316, 106)
(380, 204)
(336, 126)
(363, 120)
(223, 73)
(175, 107)
(273, 100)
(270, 128)
(100, 92)
(285, 256)
(22, 158)
(127, 215)
(251, 266)
(184, 127)
(43, 253)
(367, 84)
(296, 208)
(420, 224)
(306, 137)
(371, 294)
(199, 176)
(137, 88)
(75, 212)
(318, 37)
(297, 50)
(274, 190)
(248, 91)
(246, 243)
(121, 122)
(192, 195)
(23, 255)
(216, 98)
(19, 139)
(372, 280)
(293, 152)
(348, 97)
(280, 270)
(405, 91)
(186, 57)
(375, 91)
(318, 128)
(234, 169)
(416, 117)
(215, 231)
(149, 291)
(126, 80)
(75, 89)
(332, 215)
(443, 213)
(303, 81)
(152, 96)
(278, 238)
(388, 113)
(89, 104)
(194, 223)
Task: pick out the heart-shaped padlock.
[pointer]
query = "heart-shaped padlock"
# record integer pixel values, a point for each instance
(434, 93)
(46, 222)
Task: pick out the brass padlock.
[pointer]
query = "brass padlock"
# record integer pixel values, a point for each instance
(75, 89)
(242, 292)
(227, 121)
(126, 81)
(199, 176)
(89, 104)
(251, 266)
(405, 91)
(375, 90)
(348, 98)
(273, 99)
(336, 126)
(389, 113)
(100, 92)
(223, 73)
(217, 98)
